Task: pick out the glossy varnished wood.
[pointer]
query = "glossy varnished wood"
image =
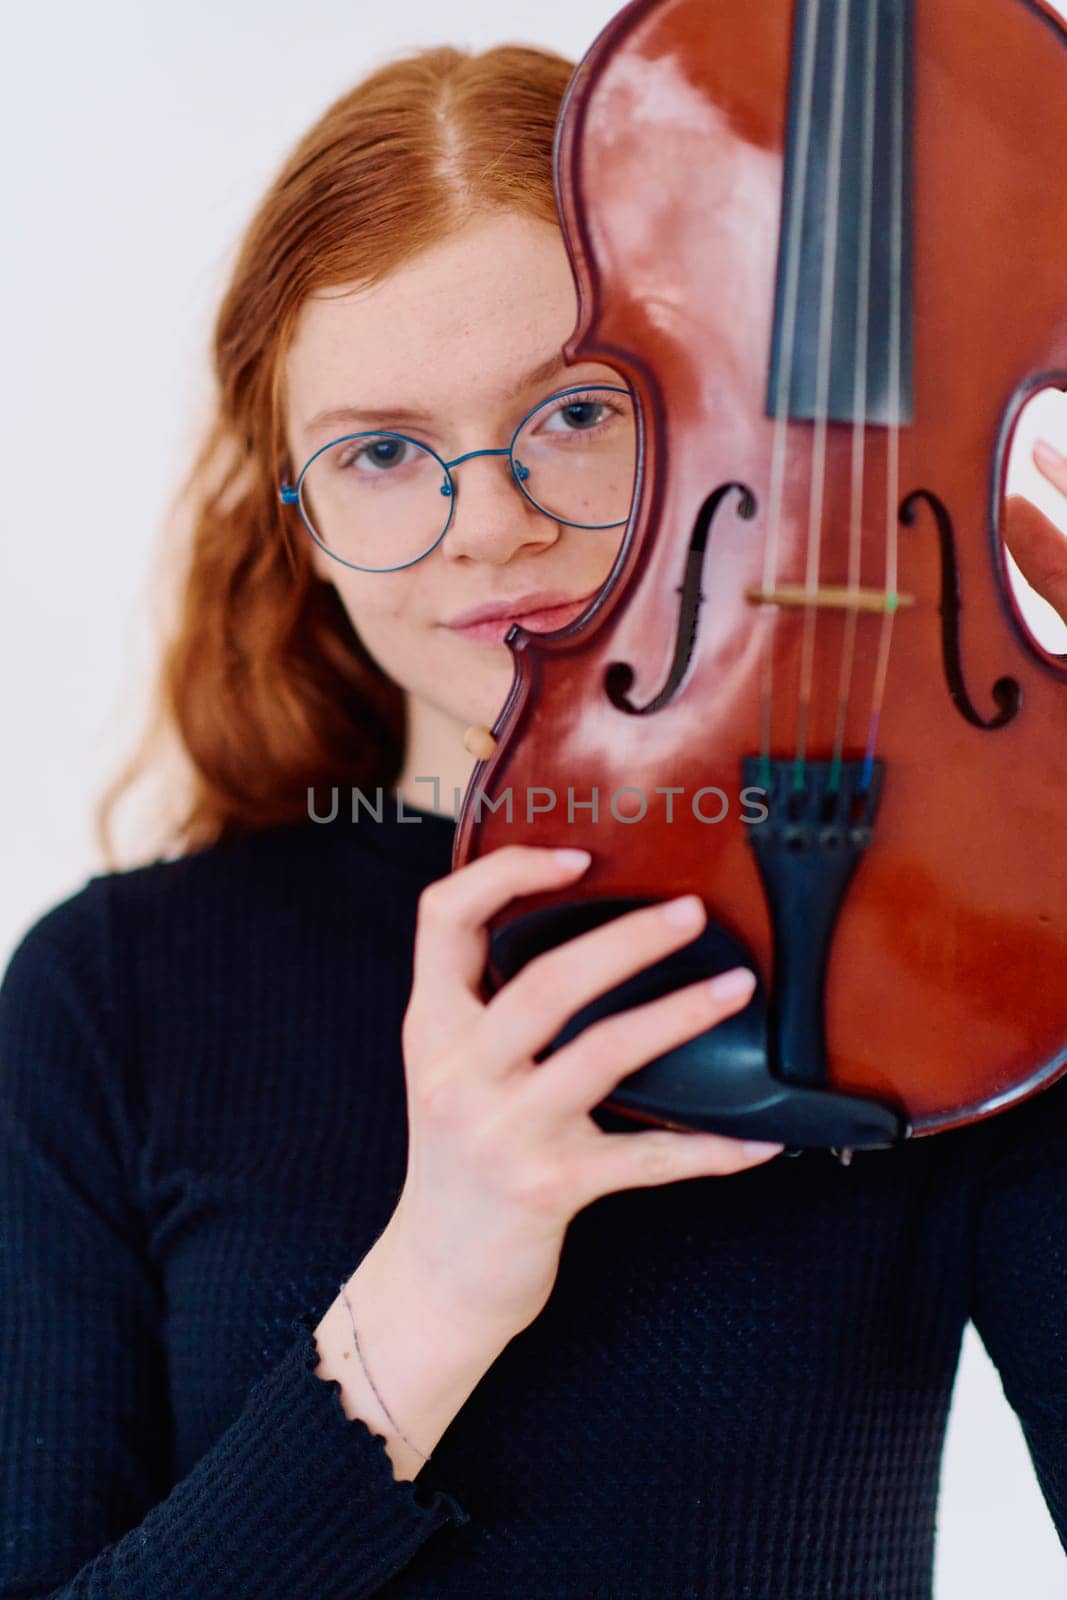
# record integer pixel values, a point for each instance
(947, 989)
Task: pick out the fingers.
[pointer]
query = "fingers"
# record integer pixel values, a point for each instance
(451, 942)
(1051, 464)
(530, 1010)
(1039, 548)
(581, 1074)
(644, 1160)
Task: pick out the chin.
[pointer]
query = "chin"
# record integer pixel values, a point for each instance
(484, 714)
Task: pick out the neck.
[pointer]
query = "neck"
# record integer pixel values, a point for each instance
(435, 754)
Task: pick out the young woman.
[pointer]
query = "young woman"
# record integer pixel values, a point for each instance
(287, 1208)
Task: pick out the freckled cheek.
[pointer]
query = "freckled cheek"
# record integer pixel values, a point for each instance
(379, 606)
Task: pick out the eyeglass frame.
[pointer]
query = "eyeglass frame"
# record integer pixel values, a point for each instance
(290, 494)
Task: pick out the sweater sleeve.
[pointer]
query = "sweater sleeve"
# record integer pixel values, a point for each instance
(293, 1498)
(1019, 1300)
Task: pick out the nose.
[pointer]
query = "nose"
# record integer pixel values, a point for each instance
(491, 517)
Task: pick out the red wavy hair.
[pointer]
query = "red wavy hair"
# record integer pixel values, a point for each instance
(263, 684)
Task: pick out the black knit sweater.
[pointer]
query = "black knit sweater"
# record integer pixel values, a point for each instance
(738, 1388)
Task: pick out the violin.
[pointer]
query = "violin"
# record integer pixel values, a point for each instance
(825, 246)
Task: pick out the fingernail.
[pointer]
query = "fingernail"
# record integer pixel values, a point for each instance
(568, 857)
(685, 912)
(758, 1147)
(1049, 454)
(733, 985)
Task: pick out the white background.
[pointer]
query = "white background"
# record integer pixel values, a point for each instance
(135, 141)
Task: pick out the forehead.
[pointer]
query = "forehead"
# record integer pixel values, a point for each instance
(473, 310)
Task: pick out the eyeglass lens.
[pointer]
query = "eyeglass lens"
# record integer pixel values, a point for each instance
(378, 500)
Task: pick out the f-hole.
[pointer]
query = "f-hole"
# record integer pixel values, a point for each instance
(1006, 691)
(620, 675)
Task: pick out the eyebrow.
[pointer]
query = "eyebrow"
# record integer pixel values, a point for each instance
(385, 415)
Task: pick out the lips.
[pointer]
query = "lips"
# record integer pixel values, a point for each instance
(545, 619)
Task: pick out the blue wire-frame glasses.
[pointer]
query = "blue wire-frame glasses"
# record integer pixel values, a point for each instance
(373, 493)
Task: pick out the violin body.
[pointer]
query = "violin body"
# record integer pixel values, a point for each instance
(810, 615)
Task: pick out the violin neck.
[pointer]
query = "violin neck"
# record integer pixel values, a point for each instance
(845, 242)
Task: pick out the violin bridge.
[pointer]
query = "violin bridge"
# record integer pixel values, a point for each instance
(830, 597)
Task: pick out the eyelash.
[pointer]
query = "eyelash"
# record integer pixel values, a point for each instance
(584, 398)
(580, 397)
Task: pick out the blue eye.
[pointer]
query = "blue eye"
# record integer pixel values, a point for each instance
(580, 413)
(377, 457)
(384, 452)
(579, 416)
(574, 414)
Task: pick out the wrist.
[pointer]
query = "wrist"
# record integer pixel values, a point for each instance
(401, 1287)
(418, 1359)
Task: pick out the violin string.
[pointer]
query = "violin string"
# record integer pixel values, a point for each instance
(859, 393)
(893, 435)
(817, 487)
(784, 385)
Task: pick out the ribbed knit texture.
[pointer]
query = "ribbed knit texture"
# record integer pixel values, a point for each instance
(738, 1388)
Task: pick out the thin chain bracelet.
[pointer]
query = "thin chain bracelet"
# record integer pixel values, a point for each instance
(370, 1380)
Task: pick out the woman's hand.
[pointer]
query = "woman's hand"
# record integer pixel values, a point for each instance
(502, 1151)
(1038, 546)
